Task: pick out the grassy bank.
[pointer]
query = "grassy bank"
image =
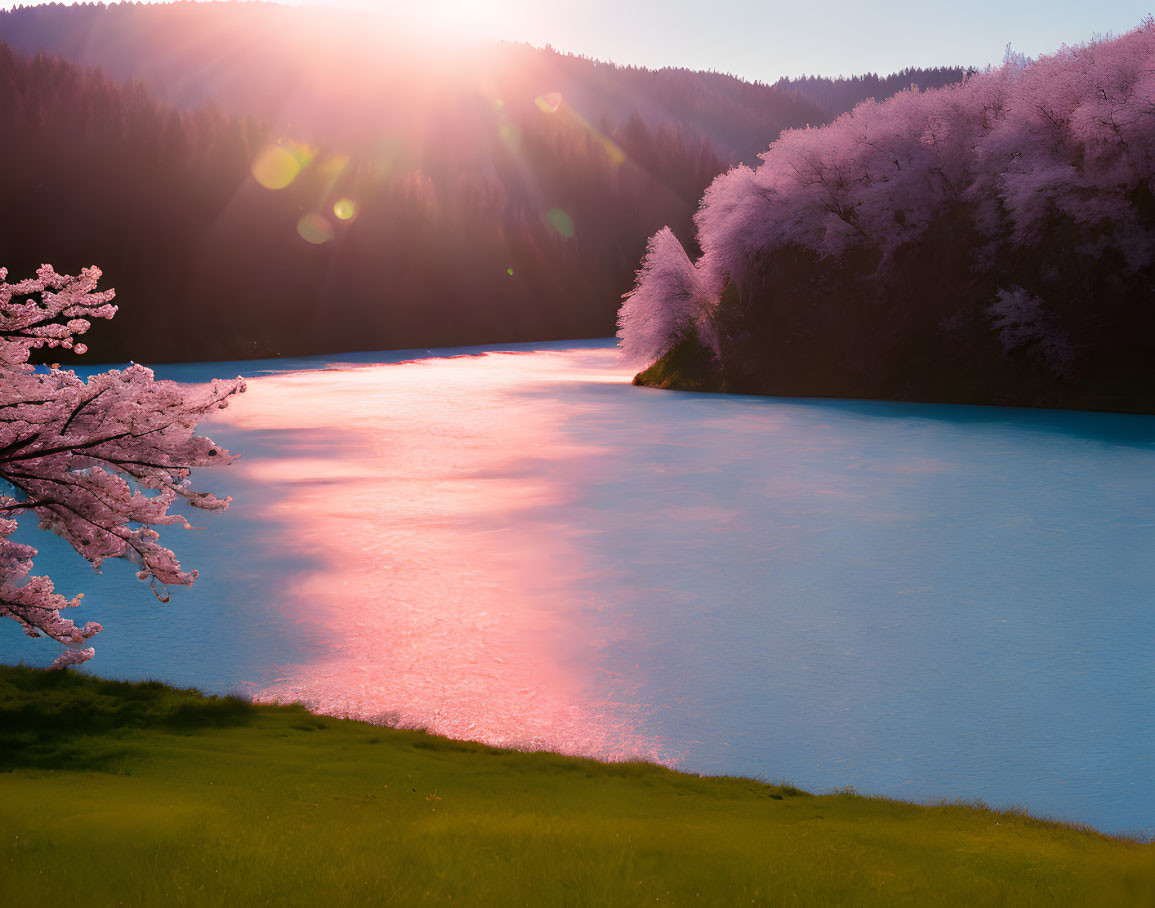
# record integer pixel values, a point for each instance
(115, 793)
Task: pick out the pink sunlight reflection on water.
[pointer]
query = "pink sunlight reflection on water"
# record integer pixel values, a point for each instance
(438, 568)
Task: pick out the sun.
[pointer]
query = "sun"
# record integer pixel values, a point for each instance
(437, 20)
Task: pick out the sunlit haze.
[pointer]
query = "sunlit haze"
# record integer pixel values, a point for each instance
(762, 390)
(764, 41)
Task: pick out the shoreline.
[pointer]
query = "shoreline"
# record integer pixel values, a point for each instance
(233, 706)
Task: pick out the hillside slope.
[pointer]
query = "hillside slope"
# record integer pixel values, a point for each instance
(152, 796)
(259, 180)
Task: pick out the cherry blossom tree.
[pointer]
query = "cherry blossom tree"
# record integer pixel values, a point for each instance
(668, 304)
(1037, 174)
(98, 461)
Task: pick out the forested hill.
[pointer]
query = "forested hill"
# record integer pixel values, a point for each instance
(989, 242)
(258, 180)
(225, 238)
(342, 73)
(261, 180)
(838, 96)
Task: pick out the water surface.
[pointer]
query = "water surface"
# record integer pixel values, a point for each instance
(522, 548)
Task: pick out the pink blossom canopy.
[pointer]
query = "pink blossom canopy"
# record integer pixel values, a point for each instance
(99, 461)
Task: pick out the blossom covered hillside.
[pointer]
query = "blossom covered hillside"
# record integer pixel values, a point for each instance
(987, 242)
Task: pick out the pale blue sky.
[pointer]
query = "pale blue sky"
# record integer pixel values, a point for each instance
(765, 40)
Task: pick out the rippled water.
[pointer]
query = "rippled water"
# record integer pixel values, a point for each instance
(522, 548)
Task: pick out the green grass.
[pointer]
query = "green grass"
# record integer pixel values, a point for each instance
(139, 794)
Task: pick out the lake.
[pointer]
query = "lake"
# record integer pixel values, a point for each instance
(522, 548)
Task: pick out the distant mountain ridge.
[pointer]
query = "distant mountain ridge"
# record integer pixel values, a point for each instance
(309, 58)
(841, 95)
(193, 53)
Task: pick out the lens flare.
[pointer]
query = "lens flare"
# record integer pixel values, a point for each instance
(314, 229)
(561, 222)
(613, 151)
(510, 135)
(277, 165)
(509, 271)
(334, 165)
(548, 103)
(387, 155)
(345, 209)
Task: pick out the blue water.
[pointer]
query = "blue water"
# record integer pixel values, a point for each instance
(926, 602)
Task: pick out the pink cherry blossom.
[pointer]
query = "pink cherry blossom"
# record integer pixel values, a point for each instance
(1022, 152)
(668, 304)
(98, 461)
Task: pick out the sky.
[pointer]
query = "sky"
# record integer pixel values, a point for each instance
(765, 40)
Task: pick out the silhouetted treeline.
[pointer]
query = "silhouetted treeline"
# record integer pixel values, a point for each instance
(837, 96)
(351, 77)
(501, 195)
(527, 226)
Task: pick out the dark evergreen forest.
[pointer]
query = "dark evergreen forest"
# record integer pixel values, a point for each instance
(841, 95)
(502, 195)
